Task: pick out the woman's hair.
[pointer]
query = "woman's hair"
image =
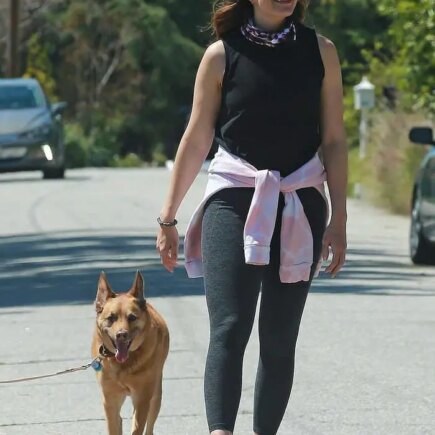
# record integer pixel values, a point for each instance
(230, 14)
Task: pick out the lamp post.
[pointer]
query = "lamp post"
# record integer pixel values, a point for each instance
(364, 100)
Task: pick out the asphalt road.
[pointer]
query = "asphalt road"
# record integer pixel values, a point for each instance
(366, 350)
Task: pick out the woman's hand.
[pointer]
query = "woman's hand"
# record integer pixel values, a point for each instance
(334, 237)
(167, 246)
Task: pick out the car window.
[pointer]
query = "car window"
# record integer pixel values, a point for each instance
(21, 97)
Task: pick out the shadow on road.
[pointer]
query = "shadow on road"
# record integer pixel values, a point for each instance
(45, 269)
(378, 272)
(31, 179)
(41, 270)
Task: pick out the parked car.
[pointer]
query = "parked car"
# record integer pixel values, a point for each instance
(422, 232)
(31, 129)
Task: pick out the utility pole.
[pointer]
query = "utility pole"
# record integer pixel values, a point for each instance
(13, 69)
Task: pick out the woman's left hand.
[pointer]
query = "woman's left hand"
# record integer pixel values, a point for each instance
(334, 237)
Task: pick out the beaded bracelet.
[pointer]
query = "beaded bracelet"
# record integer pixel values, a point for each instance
(167, 224)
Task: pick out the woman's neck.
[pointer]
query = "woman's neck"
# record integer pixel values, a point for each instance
(267, 22)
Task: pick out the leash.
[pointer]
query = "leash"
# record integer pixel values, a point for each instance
(95, 364)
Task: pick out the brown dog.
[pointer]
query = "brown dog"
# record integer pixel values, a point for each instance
(133, 341)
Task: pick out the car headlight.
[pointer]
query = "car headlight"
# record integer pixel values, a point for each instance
(42, 131)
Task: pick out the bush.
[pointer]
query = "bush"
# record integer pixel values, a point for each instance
(98, 149)
(75, 154)
(76, 146)
(387, 174)
(357, 168)
(159, 157)
(351, 118)
(131, 160)
(100, 157)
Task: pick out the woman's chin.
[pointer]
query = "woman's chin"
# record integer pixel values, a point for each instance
(284, 7)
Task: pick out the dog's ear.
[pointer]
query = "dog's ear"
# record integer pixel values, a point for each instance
(104, 292)
(138, 288)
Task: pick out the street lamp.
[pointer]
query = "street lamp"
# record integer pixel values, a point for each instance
(364, 100)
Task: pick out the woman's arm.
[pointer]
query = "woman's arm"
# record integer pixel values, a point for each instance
(198, 136)
(334, 152)
(194, 145)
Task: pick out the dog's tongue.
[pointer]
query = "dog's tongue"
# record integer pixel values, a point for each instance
(121, 354)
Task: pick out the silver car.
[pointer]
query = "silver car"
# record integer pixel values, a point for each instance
(31, 129)
(422, 233)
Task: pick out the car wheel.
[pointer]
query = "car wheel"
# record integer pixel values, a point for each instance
(54, 173)
(422, 251)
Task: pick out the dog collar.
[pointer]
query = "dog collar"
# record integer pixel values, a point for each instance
(104, 352)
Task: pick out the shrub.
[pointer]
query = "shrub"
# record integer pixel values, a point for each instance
(100, 157)
(158, 156)
(131, 160)
(98, 148)
(76, 146)
(356, 171)
(387, 174)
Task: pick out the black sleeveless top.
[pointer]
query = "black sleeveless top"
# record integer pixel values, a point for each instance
(270, 109)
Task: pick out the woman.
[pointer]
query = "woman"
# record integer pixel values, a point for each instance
(269, 91)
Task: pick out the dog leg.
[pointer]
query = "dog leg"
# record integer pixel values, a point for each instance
(112, 406)
(155, 404)
(141, 403)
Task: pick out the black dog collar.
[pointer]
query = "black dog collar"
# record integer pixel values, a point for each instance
(104, 352)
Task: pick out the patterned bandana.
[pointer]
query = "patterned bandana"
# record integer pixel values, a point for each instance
(271, 39)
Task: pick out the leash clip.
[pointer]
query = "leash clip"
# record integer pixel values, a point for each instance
(96, 364)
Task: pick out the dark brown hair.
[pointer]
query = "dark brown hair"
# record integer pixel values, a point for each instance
(230, 14)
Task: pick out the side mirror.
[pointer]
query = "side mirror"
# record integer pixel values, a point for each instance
(421, 135)
(58, 108)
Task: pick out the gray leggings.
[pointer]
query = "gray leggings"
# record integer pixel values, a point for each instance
(232, 288)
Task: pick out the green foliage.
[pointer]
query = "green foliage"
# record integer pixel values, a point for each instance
(125, 69)
(76, 146)
(409, 49)
(192, 18)
(100, 157)
(351, 118)
(131, 160)
(356, 171)
(387, 173)
(393, 43)
(39, 65)
(353, 26)
(159, 158)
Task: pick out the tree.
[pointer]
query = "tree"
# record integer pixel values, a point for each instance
(353, 26)
(410, 48)
(39, 65)
(191, 16)
(125, 68)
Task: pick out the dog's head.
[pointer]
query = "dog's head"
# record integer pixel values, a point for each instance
(121, 317)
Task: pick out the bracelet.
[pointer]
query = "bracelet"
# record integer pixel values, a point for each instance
(167, 224)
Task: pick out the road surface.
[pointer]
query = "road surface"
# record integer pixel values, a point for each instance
(366, 350)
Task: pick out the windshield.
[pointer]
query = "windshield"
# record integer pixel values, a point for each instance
(20, 97)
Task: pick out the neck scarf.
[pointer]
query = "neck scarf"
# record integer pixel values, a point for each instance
(270, 39)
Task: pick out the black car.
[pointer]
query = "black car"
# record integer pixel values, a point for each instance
(31, 129)
(422, 233)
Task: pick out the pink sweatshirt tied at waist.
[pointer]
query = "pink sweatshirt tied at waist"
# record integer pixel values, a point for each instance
(296, 256)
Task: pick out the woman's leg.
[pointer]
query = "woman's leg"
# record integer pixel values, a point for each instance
(281, 311)
(232, 289)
